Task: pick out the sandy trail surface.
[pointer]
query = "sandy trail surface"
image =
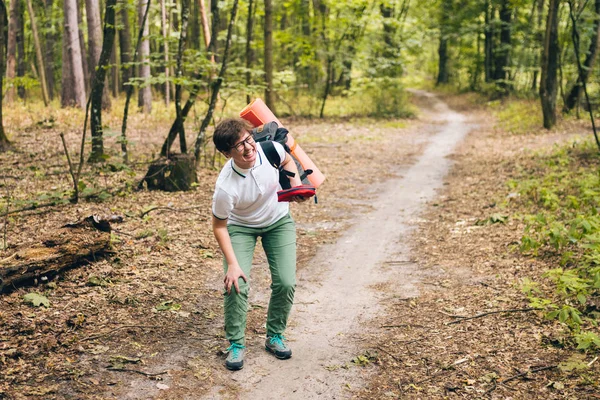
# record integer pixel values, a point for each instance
(346, 284)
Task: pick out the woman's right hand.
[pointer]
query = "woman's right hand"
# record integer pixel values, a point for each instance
(234, 273)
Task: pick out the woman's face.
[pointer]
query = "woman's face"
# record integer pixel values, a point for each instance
(243, 151)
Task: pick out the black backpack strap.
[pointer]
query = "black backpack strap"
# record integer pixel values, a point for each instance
(275, 161)
(271, 153)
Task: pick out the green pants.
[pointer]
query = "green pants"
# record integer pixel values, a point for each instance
(279, 243)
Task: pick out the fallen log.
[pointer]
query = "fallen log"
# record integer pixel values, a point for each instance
(66, 247)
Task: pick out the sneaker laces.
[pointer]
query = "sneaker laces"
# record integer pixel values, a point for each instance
(235, 349)
(277, 339)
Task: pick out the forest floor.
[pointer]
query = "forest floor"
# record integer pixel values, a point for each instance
(146, 321)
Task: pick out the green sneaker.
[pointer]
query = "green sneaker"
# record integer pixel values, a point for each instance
(235, 358)
(276, 345)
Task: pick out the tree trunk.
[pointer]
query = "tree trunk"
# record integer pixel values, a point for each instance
(548, 83)
(489, 41)
(305, 74)
(125, 47)
(194, 25)
(445, 28)
(4, 143)
(73, 78)
(84, 58)
(67, 91)
(268, 33)
(206, 30)
(94, 25)
(249, 50)
(145, 92)
(116, 67)
(178, 89)
(575, 94)
(474, 85)
(215, 27)
(39, 54)
(164, 22)
(502, 56)
(11, 55)
(49, 52)
(443, 74)
(21, 56)
(94, 28)
(539, 41)
(98, 86)
(390, 46)
(327, 86)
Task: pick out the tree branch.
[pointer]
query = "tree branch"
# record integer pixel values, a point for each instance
(489, 313)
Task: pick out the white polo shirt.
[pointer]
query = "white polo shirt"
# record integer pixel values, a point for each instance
(248, 197)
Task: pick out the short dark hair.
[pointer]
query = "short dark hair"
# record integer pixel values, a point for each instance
(228, 132)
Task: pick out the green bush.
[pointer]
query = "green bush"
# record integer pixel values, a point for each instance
(563, 199)
(517, 116)
(385, 98)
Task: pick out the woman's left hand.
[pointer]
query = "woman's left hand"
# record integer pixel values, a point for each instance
(299, 199)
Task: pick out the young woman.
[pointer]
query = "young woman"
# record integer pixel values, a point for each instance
(245, 207)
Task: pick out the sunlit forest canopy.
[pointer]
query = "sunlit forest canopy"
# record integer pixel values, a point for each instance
(304, 57)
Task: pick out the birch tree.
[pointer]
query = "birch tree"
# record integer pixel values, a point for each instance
(145, 92)
(73, 84)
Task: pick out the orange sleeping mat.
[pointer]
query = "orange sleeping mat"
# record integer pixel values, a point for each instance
(257, 113)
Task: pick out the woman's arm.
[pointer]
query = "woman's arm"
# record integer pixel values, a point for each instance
(234, 272)
(289, 165)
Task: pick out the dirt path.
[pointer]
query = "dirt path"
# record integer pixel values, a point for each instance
(344, 286)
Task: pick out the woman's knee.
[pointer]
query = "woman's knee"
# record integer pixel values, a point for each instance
(285, 286)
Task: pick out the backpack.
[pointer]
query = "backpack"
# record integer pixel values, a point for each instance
(265, 135)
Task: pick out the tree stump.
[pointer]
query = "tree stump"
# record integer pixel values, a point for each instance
(67, 247)
(172, 174)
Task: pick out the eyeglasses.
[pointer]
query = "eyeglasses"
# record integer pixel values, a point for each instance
(242, 145)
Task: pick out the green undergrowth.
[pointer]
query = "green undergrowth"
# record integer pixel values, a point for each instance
(517, 116)
(561, 198)
(373, 97)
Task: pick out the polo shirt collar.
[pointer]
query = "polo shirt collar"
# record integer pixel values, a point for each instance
(243, 172)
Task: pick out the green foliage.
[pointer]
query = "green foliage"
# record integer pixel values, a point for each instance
(564, 197)
(377, 98)
(36, 300)
(493, 219)
(586, 340)
(574, 363)
(163, 236)
(25, 82)
(169, 305)
(386, 97)
(517, 116)
(95, 280)
(365, 359)
(144, 234)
